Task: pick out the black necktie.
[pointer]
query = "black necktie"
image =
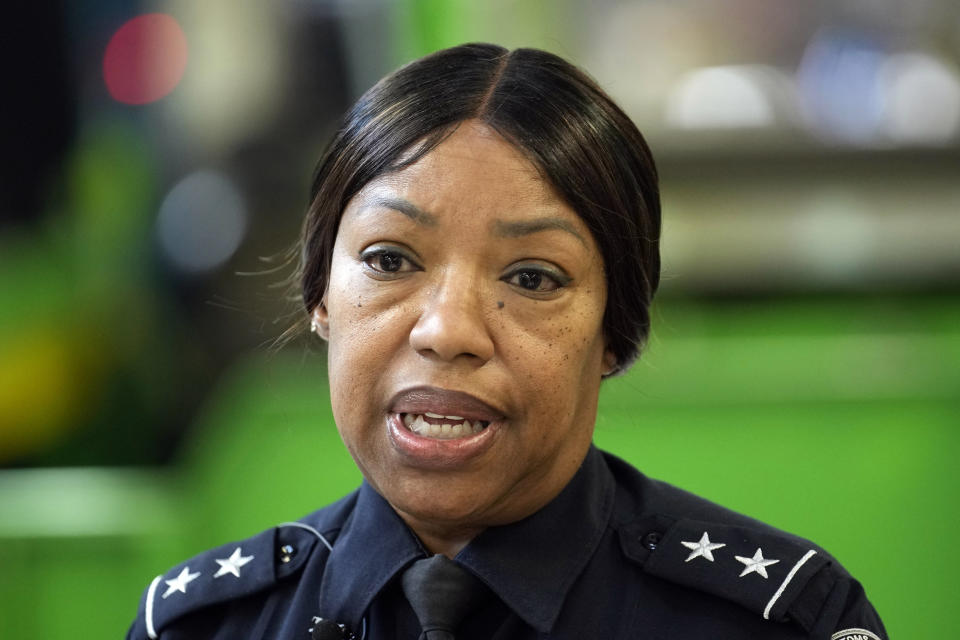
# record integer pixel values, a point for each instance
(441, 593)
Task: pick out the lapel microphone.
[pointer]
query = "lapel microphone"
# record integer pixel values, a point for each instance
(323, 629)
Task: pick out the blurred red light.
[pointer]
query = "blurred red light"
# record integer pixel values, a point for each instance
(145, 59)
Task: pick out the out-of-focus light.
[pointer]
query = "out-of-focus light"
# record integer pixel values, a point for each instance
(245, 58)
(145, 59)
(922, 99)
(836, 237)
(839, 86)
(729, 97)
(201, 222)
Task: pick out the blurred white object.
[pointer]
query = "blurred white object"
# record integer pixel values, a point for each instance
(728, 97)
(238, 73)
(921, 99)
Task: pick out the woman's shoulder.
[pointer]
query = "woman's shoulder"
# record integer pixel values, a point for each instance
(686, 540)
(238, 570)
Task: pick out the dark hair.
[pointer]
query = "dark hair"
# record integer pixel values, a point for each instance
(557, 115)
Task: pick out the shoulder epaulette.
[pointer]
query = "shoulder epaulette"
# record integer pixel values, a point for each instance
(771, 573)
(225, 573)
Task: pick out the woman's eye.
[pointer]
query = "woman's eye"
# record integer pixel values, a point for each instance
(387, 261)
(536, 280)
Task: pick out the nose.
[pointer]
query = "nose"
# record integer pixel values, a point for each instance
(452, 323)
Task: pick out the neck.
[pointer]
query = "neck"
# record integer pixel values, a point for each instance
(440, 540)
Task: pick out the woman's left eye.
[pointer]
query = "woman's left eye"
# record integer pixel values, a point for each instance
(536, 280)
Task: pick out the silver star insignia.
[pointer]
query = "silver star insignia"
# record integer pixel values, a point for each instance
(232, 564)
(702, 549)
(180, 582)
(756, 564)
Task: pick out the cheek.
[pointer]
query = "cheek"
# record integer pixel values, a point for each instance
(352, 371)
(365, 333)
(569, 338)
(348, 333)
(352, 320)
(558, 360)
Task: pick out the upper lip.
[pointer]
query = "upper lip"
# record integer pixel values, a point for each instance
(444, 402)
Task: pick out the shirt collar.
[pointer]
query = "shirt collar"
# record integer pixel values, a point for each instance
(548, 549)
(372, 547)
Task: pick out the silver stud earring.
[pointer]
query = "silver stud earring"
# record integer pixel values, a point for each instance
(314, 326)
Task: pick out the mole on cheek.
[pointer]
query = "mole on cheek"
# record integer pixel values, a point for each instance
(499, 304)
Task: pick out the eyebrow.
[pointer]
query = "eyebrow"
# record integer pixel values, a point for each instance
(527, 227)
(504, 229)
(408, 209)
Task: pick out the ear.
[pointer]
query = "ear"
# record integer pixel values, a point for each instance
(320, 321)
(610, 365)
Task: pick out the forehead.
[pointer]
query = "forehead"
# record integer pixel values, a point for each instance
(473, 169)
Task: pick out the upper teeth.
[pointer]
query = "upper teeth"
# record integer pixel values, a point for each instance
(458, 429)
(437, 415)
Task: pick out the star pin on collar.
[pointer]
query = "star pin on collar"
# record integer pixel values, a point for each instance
(232, 564)
(702, 549)
(180, 582)
(756, 564)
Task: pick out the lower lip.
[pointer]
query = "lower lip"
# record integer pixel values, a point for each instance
(435, 453)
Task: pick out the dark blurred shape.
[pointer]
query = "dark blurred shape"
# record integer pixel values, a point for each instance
(39, 106)
(110, 346)
(145, 59)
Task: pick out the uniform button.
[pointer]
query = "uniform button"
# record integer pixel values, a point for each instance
(287, 552)
(651, 540)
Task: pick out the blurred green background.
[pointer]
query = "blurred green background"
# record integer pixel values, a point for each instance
(803, 365)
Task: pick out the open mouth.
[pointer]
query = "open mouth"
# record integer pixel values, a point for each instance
(442, 427)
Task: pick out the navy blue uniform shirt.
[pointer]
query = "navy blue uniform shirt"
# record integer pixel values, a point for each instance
(615, 555)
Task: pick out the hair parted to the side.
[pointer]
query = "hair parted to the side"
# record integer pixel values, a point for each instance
(581, 141)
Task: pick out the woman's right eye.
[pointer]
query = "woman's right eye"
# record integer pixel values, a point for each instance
(385, 261)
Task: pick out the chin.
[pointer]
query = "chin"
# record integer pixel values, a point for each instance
(434, 502)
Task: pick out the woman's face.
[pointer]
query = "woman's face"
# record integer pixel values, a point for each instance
(464, 317)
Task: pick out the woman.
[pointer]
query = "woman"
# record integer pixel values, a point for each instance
(480, 252)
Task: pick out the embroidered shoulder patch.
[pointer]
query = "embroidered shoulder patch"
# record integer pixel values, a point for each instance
(762, 570)
(854, 634)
